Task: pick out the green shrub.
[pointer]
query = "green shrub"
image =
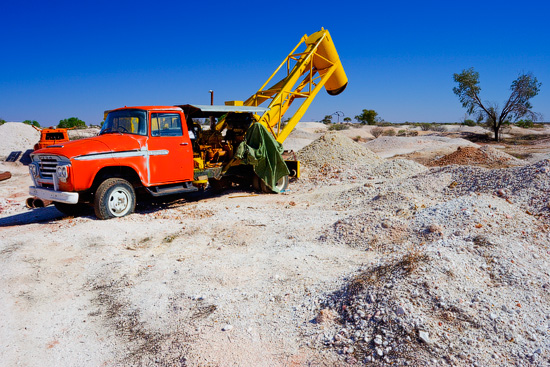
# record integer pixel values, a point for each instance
(71, 122)
(2, 121)
(389, 132)
(526, 124)
(425, 126)
(439, 128)
(33, 123)
(469, 122)
(402, 133)
(338, 127)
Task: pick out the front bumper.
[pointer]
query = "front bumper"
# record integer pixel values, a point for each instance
(53, 195)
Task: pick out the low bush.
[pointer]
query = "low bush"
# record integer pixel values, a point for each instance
(377, 131)
(425, 126)
(338, 127)
(389, 132)
(526, 124)
(33, 123)
(72, 122)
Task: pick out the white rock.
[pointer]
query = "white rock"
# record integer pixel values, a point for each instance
(424, 336)
(227, 327)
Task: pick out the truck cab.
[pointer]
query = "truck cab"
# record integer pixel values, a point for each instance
(138, 147)
(51, 136)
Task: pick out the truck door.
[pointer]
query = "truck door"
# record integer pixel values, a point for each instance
(170, 151)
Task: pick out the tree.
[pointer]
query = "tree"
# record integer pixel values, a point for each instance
(71, 122)
(33, 123)
(347, 119)
(523, 89)
(327, 119)
(367, 117)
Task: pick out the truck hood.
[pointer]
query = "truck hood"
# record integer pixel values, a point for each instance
(96, 145)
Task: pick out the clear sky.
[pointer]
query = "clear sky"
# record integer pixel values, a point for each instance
(78, 58)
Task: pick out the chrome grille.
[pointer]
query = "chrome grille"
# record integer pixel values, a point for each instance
(47, 165)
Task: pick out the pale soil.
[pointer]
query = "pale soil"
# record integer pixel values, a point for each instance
(229, 280)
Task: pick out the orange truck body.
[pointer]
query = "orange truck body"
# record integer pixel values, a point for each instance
(157, 150)
(156, 160)
(51, 136)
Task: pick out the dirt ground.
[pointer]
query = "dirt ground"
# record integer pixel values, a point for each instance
(238, 278)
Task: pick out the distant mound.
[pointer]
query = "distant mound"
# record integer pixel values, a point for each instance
(17, 136)
(485, 156)
(397, 168)
(336, 150)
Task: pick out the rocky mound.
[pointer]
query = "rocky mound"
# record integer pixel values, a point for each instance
(17, 136)
(334, 156)
(485, 156)
(527, 186)
(465, 287)
(398, 168)
(336, 150)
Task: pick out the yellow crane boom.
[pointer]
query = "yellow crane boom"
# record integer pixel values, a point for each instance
(306, 73)
(317, 66)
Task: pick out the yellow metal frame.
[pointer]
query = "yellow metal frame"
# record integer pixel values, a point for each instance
(316, 65)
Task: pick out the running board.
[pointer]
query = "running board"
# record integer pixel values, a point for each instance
(171, 189)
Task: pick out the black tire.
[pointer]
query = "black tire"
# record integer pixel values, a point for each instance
(115, 197)
(220, 185)
(72, 210)
(256, 183)
(259, 185)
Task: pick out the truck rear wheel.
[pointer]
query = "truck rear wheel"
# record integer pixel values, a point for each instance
(282, 183)
(259, 185)
(115, 197)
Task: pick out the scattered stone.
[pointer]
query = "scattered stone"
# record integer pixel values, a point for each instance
(424, 336)
(399, 311)
(326, 315)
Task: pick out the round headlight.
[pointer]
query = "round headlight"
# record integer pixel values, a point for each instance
(61, 172)
(33, 169)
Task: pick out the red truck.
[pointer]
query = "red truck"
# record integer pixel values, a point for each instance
(153, 149)
(51, 136)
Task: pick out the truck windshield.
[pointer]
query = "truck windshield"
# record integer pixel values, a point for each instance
(125, 121)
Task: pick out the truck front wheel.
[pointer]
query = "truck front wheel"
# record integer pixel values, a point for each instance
(115, 197)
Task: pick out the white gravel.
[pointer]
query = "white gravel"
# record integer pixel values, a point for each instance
(17, 136)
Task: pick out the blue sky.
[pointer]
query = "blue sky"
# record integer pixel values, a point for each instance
(78, 58)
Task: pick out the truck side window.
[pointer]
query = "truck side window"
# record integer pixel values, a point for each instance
(166, 124)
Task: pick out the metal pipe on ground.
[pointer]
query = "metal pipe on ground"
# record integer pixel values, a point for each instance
(34, 202)
(39, 203)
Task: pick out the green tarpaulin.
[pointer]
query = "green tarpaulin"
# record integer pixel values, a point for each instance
(263, 153)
